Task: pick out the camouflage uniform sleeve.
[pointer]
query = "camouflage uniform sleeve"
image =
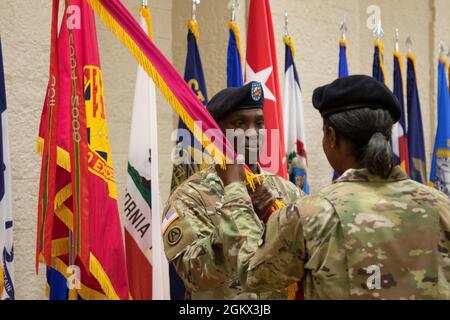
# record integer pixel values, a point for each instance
(444, 247)
(292, 191)
(279, 261)
(240, 229)
(191, 243)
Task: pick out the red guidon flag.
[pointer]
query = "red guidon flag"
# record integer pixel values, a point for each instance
(262, 66)
(78, 220)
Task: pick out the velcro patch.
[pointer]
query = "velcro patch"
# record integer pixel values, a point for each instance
(170, 217)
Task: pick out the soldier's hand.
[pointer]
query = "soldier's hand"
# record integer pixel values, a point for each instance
(233, 172)
(262, 200)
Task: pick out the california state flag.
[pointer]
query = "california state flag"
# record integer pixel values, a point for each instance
(146, 263)
(262, 66)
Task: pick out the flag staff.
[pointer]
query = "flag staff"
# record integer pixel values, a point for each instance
(343, 28)
(409, 43)
(397, 39)
(234, 5)
(144, 3)
(286, 24)
(441, 49)
(194, 8)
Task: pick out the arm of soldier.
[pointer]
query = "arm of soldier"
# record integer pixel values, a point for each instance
(444, 243)
(197, 256)
(240, 229)
(279, 260)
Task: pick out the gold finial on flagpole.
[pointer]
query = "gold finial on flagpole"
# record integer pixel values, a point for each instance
(343, 28)
(409, 43)
(195, 3)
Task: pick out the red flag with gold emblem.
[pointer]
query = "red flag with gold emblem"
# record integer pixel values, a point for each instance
(77, 183)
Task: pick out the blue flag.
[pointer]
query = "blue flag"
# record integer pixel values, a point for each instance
(416, 144)
(378, 65)
(6, 222)
(343, 72)
(234, 66)
(293, 117)
(56, 285)
(440, 164)
(343, 65)
(188, 148)
(193, 75)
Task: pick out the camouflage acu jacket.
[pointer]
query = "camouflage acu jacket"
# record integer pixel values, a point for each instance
(363, 237)
(191, 222)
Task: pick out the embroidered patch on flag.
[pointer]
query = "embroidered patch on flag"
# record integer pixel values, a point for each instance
(170, 217)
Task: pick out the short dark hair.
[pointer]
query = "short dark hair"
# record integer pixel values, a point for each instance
(369, 130)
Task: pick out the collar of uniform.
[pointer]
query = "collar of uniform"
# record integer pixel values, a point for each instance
(363, 175)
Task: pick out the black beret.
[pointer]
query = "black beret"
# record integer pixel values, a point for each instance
(355, 92)
(249, 96)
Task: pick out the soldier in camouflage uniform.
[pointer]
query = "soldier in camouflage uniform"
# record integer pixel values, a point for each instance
(194, 211)
(373, 234)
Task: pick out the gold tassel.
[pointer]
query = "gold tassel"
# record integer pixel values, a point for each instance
(292, 290)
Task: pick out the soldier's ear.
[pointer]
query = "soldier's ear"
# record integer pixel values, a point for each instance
(331, 137)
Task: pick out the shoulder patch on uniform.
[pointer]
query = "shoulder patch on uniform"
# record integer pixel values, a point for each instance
(170, 217)
(174, 236)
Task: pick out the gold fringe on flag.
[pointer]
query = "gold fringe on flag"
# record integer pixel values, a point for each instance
(234, 27)
(97, 271)
(62, 156)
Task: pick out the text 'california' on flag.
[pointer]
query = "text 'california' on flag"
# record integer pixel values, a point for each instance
(294, 120)
(146, 263)
(6, 221)
(262, 66)
(440, 164)
(399, 139)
